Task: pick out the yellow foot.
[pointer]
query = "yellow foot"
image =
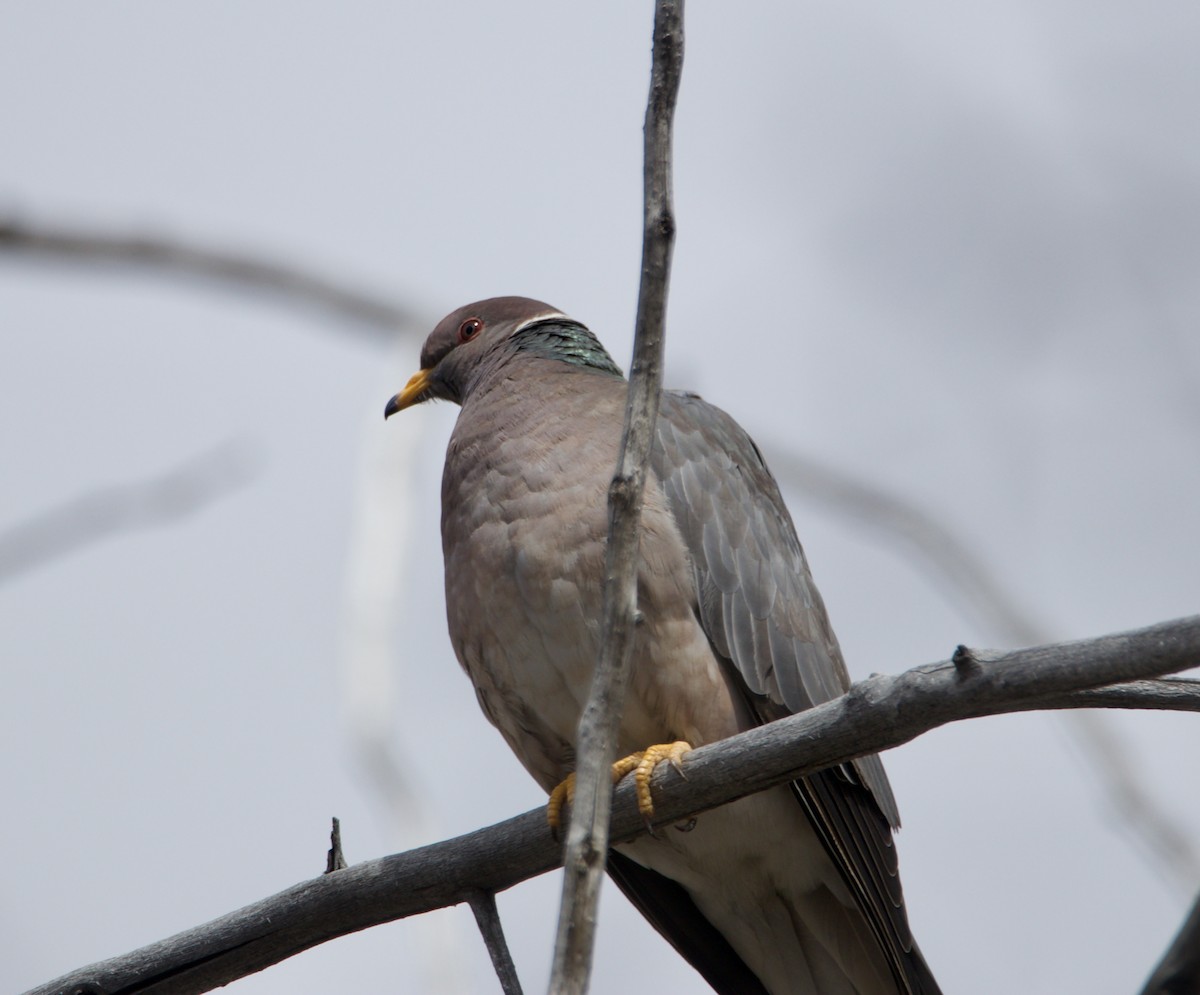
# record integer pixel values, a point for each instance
(641, 764)
(563, 794)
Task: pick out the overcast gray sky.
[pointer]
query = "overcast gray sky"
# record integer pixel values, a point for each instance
(951, 249)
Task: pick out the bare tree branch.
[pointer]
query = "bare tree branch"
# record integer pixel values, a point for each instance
(487, 918)
(378, 316)
(1179, 970)
(587, 835)
(106, 511)
(1180, 694)
(876, 714)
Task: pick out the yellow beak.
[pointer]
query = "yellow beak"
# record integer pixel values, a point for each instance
(413, 393)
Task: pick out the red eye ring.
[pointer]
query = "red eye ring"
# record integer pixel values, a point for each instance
(469, 329)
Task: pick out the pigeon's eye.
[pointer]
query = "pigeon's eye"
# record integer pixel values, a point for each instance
(469, 329)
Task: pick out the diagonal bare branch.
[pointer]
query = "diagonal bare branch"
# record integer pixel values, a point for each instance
(877, 714)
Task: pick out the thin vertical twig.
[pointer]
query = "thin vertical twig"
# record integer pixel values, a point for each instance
(587, 836)
(335, 860)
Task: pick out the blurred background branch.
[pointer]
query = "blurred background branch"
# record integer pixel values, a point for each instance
(105, 512)
(376, 316)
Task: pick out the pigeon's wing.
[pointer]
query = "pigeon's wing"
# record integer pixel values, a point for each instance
(765, 619)
(757, 599)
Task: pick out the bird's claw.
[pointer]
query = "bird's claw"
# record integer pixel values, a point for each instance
(640, 764)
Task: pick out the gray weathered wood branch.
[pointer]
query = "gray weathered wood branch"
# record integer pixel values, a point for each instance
(877, 714)
(487, 918)
(587, 834)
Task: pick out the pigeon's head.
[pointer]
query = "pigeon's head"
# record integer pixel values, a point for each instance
(462, 341)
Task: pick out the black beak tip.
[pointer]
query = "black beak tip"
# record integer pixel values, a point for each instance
(391, 408)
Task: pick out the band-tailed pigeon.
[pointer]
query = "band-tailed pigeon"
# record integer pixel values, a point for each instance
(791, 890)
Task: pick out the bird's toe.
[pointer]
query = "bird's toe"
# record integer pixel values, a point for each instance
(563, 794)
(642, 766)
